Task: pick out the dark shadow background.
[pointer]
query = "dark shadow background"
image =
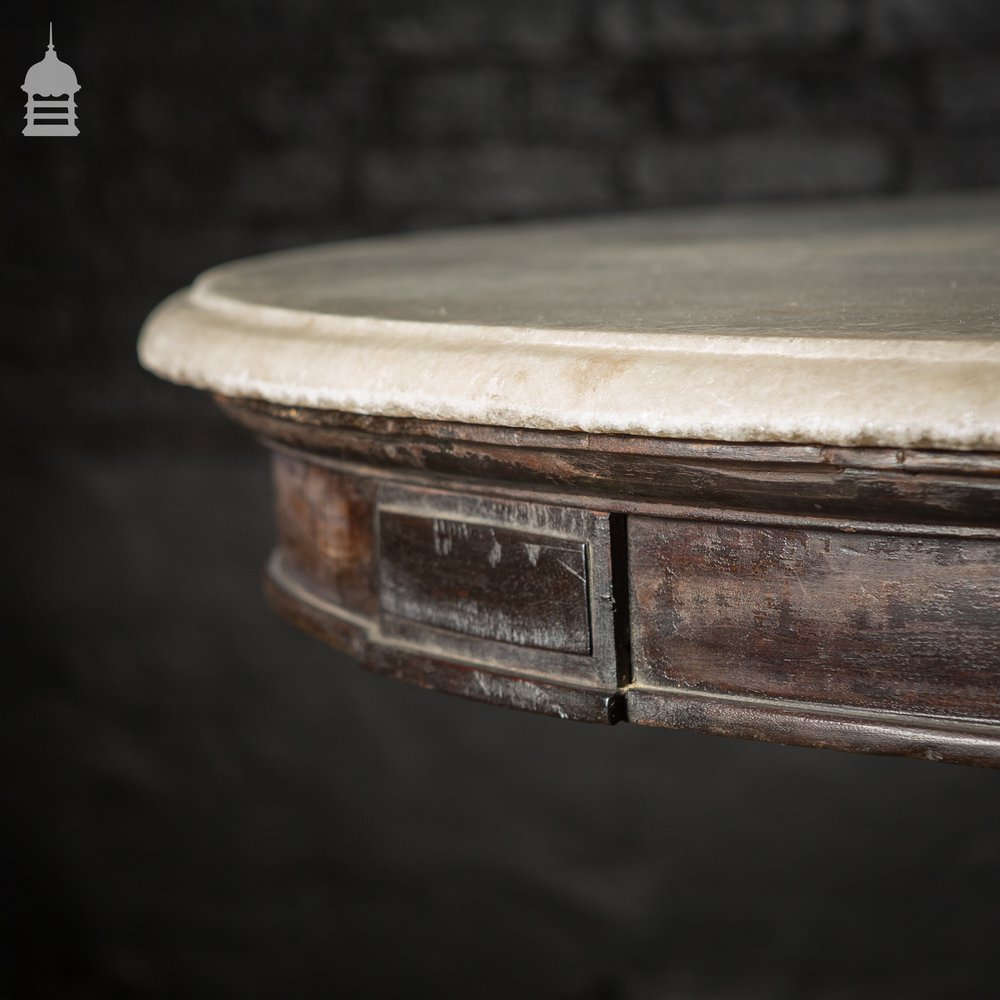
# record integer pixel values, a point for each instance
(197, 800)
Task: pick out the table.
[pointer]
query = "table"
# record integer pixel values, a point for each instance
(734, 469)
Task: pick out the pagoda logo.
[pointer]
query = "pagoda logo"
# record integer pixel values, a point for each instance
(51, 87)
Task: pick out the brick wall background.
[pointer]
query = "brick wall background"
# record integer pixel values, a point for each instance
(198, 800)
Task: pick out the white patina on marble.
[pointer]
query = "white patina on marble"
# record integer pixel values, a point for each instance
(863, 324)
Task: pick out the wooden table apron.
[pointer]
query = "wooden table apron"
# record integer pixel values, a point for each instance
(825, 596)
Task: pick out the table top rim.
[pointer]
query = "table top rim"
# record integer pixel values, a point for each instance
(914, 388)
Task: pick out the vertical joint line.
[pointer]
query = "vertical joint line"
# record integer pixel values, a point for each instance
(620, 603)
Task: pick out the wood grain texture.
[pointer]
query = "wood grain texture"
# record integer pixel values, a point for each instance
(326, 532)
(636, 473)
(485, 580)
(518, 585)
(415, 665)
(451, 557)
(861, 730)
(896, 623)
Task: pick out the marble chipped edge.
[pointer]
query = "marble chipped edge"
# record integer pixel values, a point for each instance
(837, 392)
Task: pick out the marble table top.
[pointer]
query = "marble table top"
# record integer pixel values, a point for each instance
(869, 323)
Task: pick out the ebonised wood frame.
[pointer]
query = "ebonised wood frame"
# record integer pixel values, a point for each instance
(833, 597)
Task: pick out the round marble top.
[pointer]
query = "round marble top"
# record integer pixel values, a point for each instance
(873, 323)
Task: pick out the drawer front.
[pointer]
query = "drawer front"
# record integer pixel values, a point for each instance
(892, 622)
(497, 581)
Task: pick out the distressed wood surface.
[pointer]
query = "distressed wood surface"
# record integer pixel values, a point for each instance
(468, 603)
(485, 580)
(628, 473)
(871, 621)
(325, 532)
(422, 666)
(835, 598)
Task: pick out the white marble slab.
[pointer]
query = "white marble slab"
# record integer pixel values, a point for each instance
(852, 324)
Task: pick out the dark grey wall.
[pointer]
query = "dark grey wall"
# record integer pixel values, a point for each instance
(197, 800)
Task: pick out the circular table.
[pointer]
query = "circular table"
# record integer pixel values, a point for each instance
(734, 470)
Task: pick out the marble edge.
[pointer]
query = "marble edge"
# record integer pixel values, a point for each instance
(835, 391)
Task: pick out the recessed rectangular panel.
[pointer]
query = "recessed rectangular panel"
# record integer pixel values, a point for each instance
(518, 587)
(485, 580)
